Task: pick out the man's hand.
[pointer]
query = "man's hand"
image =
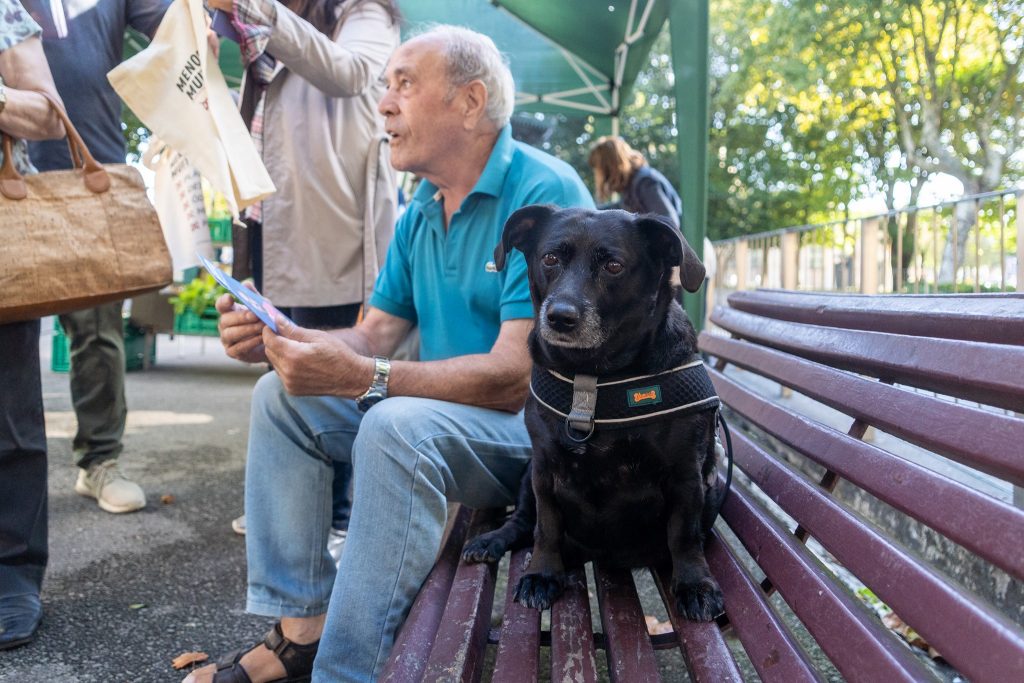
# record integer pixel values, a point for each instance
(240, 330)
(316, 363)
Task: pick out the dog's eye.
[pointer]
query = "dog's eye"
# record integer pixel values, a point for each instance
(614, 267)
(549, 260)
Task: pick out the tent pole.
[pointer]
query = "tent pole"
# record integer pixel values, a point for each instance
(688, 26)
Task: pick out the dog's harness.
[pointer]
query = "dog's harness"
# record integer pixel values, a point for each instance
(587, 404)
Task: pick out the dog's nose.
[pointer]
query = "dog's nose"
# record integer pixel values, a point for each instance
(562, 316)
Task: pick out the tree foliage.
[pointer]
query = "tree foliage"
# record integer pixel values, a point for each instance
(815, 104)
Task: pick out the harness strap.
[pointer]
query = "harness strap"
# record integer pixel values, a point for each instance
(584, 403)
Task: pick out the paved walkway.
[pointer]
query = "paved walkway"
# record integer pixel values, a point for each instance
(125, 594)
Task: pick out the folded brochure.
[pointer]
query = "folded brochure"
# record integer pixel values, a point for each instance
(254, 301)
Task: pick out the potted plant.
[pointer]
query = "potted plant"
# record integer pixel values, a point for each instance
(194, 311)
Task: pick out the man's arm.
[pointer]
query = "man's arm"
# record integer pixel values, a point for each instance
(312, 362)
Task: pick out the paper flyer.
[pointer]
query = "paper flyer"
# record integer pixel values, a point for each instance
(254, 301)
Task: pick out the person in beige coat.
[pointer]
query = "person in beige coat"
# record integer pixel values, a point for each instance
(309, 97)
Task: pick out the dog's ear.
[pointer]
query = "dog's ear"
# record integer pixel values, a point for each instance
(668, 239)
(518, 230)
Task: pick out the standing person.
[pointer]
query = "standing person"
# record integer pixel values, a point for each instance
(618, 168)
(417, 433)
(310, 96)
(24, 114)
(80, 62)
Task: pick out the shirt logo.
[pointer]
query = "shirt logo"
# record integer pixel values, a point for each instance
(644, 396)
(489, 267)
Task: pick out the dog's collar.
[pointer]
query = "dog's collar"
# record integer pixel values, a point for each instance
(588, 404)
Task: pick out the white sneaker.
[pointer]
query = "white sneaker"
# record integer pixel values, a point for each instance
(238, 525)
(336, 543)
(108, 485)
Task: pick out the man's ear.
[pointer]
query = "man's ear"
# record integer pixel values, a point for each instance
(667, 239)
(519, 230)
(474, 102)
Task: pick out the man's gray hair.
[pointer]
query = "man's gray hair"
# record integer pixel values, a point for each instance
(471, 56)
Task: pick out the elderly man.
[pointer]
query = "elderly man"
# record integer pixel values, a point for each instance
(418, 434)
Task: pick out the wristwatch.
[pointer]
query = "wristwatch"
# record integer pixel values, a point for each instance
(3, 94)
(378, 390)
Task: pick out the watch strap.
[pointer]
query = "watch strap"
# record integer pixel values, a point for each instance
(378, 390)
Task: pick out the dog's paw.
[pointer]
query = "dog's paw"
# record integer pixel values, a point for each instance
(539, 591)
(699, 601)
(489, 547)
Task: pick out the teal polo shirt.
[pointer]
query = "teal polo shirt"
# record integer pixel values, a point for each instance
(444, 280)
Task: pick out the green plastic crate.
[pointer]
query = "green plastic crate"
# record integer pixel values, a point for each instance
(60, 349)
(190, 323)
(220, 230)
(134, 348)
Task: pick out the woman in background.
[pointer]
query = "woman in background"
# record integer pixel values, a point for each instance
(618, 168)
(309, 97)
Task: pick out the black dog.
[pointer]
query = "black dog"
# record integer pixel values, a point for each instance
(624, 475)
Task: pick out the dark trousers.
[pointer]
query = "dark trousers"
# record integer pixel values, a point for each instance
(316, 318)
(23, 541)
(97, 381)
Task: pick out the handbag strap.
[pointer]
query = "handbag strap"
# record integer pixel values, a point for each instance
(96, 180)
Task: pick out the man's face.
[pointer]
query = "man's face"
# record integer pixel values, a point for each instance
(422, 126)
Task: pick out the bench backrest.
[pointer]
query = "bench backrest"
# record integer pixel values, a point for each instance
(941, 379)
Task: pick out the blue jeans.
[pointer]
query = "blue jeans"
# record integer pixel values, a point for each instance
(409, 456)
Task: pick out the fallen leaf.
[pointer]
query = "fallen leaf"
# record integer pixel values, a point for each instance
(894, 623)
(137, 605)
(655, 627)
(167, 499)
(189, 659)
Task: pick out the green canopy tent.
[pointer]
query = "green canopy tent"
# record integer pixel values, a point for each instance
(582, 58)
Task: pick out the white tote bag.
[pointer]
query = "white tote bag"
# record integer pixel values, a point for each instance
(177, 90)
(178, 196)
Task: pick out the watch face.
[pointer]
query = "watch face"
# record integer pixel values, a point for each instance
(367, 402)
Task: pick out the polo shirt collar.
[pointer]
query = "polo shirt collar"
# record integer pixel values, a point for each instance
(493, 177)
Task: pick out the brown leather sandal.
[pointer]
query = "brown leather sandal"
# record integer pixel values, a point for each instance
(297, 660)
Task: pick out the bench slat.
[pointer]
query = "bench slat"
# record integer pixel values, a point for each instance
(630, 654)
(572, 635)
(518, 657)
(968, 435)
(704, 650)
(995, 318)
(856, 642)
(986, 373)
(988, 527)
(768, 643)
(966, 635)
(416, 637)
(461, 640)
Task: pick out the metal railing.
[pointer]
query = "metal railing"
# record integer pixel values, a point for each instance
(910, 251)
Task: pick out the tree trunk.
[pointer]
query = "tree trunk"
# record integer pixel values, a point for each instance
(965, 217)
(908, 237)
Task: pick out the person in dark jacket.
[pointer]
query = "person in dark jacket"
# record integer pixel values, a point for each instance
(620, 169)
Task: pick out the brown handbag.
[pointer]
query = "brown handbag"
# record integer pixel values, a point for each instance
(75, 238)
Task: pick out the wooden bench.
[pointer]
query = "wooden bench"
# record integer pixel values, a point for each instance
(818, 520)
